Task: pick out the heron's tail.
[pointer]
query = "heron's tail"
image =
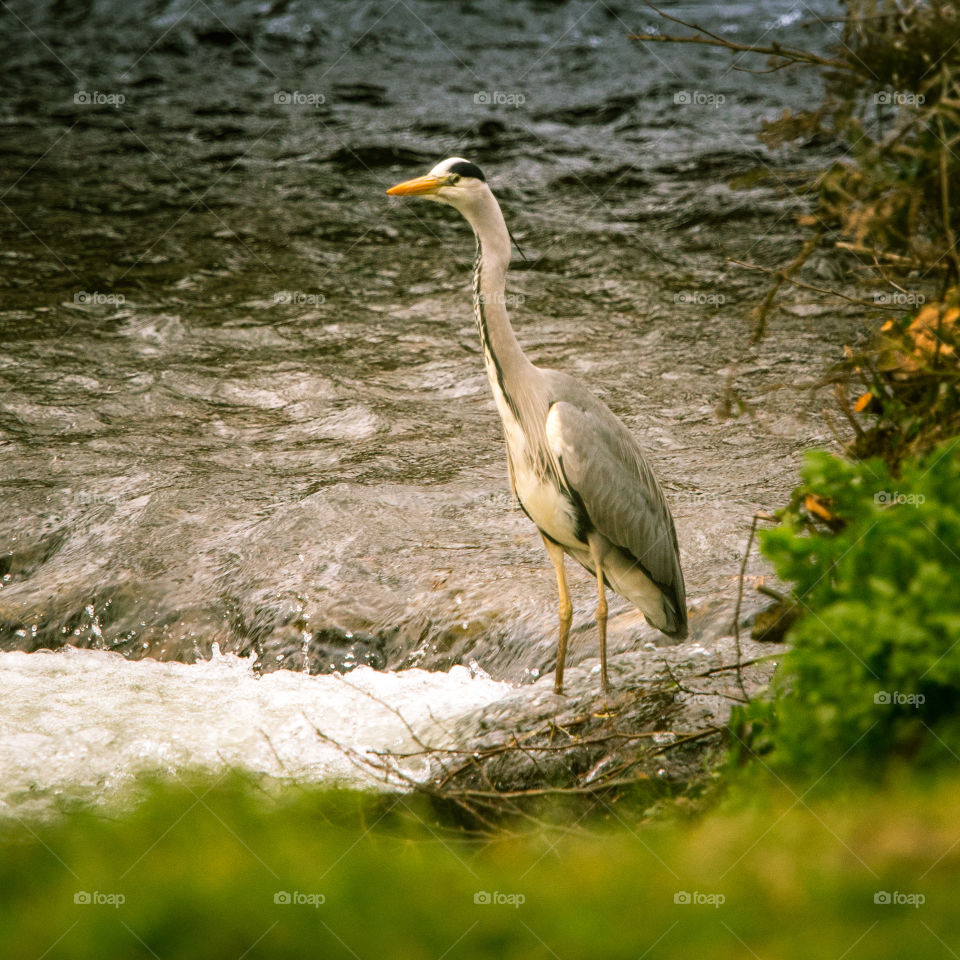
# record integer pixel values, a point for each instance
(671, 617)
(679, 632)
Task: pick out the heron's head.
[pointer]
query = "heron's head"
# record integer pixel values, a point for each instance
(455, 181)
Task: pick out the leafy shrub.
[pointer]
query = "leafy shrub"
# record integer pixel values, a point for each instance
(911, 374)
(873, 675)
(890, 102)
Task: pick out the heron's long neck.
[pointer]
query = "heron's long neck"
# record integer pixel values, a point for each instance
(505, 359)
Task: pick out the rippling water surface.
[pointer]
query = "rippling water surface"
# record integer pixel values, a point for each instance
(241, 399)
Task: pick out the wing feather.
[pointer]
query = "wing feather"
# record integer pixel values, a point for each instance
(604, 465)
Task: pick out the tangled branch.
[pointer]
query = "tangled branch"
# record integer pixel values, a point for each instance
(589, 757)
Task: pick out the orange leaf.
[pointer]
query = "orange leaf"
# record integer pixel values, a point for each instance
(815, 505)
(863, 402)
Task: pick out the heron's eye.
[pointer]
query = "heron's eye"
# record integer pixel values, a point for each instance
(454, 178)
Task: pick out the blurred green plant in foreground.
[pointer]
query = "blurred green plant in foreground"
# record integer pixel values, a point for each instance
(209, 868)
(872, 679)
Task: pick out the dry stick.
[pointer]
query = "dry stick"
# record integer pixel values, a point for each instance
(475, 757)
(438, 724)
(526, 752)
(385, 773)
(478, 755)
(947, 225)
(699, 735)
(788, 54)
(414, 735)
(509, 806)
(735, 666)
(772, 594)
(883, 274)
(760, 312)
(473, 812)
(793, 54)
(485, 753)
(683, 688)
(364, 764)
(600, 784)
(630, 764)
(386, 706)
(784, 275)
(389, 774)
(575, 791)
(896, 259)
(375, 762)
(273, 749)
(370, 764)
(736, 613)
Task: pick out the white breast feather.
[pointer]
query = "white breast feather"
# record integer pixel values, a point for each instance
(549, 509)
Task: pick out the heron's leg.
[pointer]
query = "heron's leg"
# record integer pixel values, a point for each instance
(566, 608)
(597, 554)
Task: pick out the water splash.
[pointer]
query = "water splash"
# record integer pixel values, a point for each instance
(83, 723)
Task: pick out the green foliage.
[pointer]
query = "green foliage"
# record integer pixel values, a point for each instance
(873, 674)
(200, 863)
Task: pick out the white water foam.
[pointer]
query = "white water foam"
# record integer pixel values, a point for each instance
(86, 722)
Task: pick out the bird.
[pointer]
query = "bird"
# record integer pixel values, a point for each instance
(574, 467)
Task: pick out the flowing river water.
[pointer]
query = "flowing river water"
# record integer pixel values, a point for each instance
(249, 461)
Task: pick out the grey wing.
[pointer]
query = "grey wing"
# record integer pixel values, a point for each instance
(605, 467)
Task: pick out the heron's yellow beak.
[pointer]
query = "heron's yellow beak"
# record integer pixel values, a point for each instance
(417, 187)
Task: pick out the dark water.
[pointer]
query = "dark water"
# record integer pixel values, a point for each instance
(241, 399)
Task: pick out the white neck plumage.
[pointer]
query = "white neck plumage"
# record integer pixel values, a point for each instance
(504, 357)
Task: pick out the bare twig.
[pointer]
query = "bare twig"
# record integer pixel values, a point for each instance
(783, 275)
(895, 259)
(736, 613)
(945, 194)
(683, 688)
(738, 665)
(789, 54)
(464, 773)
(273, 749)
(760, 313)
(514, 744)
(772, 594)
(690, 738)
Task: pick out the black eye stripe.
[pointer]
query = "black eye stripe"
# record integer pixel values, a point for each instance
(467, 169)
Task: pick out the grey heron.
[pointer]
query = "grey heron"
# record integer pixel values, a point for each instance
(575, 469)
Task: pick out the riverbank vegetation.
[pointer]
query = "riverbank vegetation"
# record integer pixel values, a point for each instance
(869, 541)
(219, 868)
(883, 209)
(871, 680)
